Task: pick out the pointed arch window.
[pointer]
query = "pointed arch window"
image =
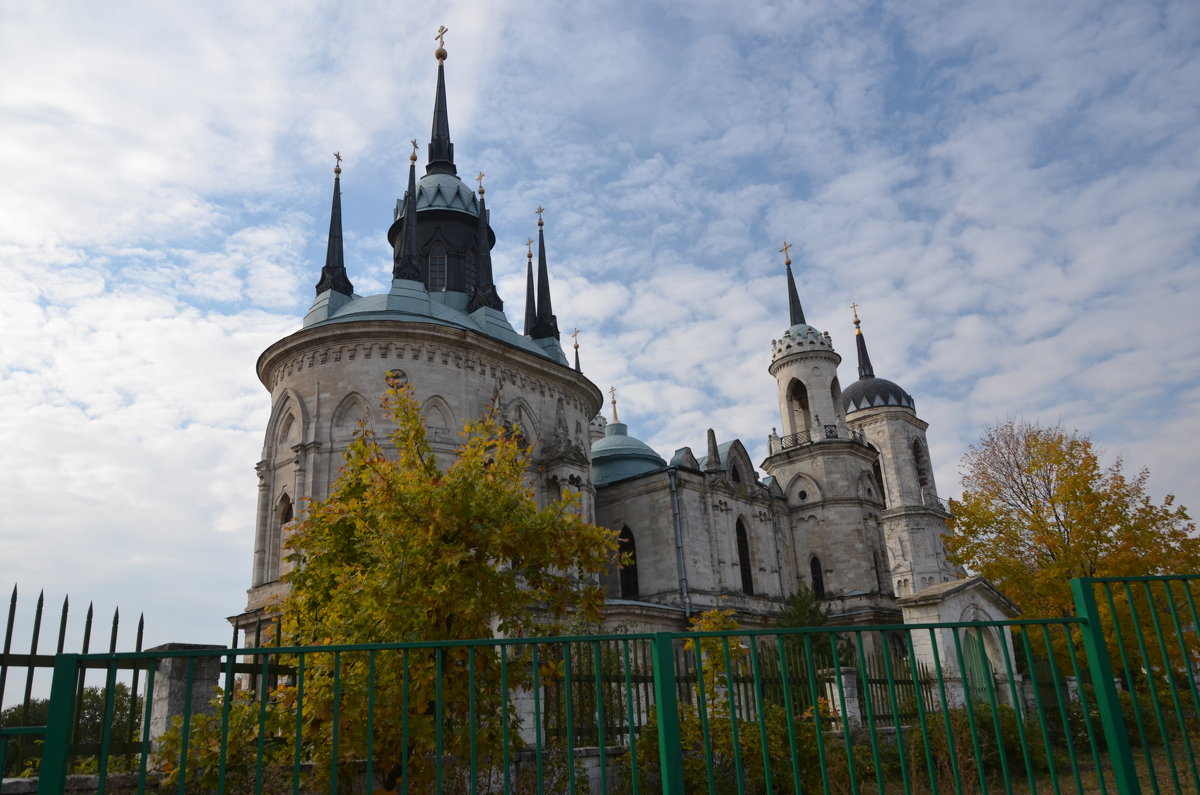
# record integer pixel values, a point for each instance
(818, 577)
(629, 575)
(437, 267)
(285, 510)
(470, 272)
(743, 552)
(797, 398)
(920, 463)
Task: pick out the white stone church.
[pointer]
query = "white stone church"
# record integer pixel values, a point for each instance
(848, 505)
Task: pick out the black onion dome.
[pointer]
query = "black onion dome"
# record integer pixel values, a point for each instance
(871, 392)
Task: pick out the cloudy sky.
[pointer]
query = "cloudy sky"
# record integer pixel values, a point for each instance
(1010, 191)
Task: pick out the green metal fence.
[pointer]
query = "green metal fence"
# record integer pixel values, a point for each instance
(1103, 701)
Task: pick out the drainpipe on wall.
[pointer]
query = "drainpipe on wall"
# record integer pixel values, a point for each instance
(679, 562)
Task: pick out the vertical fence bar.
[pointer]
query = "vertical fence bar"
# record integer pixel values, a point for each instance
(634, 773)
(1127, 679)
(731, 708)
(670, 756)
(151, 668)
(1148, 667)
(296, 758)
(110, 686)
(8, 636)
(60, 717)
(1168, 674)
(1119, 753)
(1191, 679)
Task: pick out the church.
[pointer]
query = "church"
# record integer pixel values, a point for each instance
(845, 503)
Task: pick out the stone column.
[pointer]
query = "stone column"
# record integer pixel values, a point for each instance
(849, 677)
(171, 683)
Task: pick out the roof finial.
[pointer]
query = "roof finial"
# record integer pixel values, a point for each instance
(787, 259)
(575, 336)
(539, 212)
(440, 52)
(412, 158)
(337, 166)
(479, 178)
(857, 322)
(612, 390)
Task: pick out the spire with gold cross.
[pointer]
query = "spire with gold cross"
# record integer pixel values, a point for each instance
(333, 274)
(795, 311)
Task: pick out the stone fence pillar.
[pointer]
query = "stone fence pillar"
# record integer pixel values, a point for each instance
(849, 692)
(171, 684)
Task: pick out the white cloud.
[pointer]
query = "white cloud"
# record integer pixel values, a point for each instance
(1009, 191)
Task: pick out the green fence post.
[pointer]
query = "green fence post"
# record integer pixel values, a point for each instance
(670, 756)
(60, 718)
(1109, 707)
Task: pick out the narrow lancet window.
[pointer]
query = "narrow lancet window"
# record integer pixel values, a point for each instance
(743, 551)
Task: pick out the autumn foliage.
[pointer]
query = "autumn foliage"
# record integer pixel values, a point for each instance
(1039, 509)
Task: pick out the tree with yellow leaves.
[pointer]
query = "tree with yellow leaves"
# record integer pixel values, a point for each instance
(406, 550)
(1039, 509)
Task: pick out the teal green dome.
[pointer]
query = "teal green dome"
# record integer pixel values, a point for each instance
(618, 456)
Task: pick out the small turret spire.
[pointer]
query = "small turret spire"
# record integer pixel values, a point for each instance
(575, 336)
(795, 311)
(864, 359)
(485, 291)
(712, 463)
(333, 275)
(545, 324)
(612, 390)
(530, 301)
(407, 256)
(441, 150)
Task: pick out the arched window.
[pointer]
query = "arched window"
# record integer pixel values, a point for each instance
(919, 463)
(735, 474)
(285, 510)
(798, 403)
(437, 267)
(878, 472)
(879, 582)
(835, 392)
(818, 577)
(629, 578)
(743, 550)
(470, 272)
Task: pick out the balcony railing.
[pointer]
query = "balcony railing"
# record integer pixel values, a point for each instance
(802, 438)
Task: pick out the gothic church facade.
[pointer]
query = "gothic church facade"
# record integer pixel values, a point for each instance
(847, 505)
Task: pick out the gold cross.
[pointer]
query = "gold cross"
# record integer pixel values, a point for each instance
(479, 179)
(575, 335)
(612, 390)
(529, 248)
(441, 36)
(338, 157)
(414, 144)
(539, 212)
(786, 247)
(854, 307)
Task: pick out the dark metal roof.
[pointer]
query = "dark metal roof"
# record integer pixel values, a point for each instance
(871, 392)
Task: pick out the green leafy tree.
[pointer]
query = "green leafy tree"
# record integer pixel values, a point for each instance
(405, 549)
(803, 609)
(124, 718)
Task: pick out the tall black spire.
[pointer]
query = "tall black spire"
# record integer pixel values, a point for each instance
(441, 150)
(333, 275)
(795, 311)
(864, 359)
(530, 301)
(484, 293)
(546, 324)
(407, 257)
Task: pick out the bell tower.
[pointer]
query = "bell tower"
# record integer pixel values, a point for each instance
(825, 471)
